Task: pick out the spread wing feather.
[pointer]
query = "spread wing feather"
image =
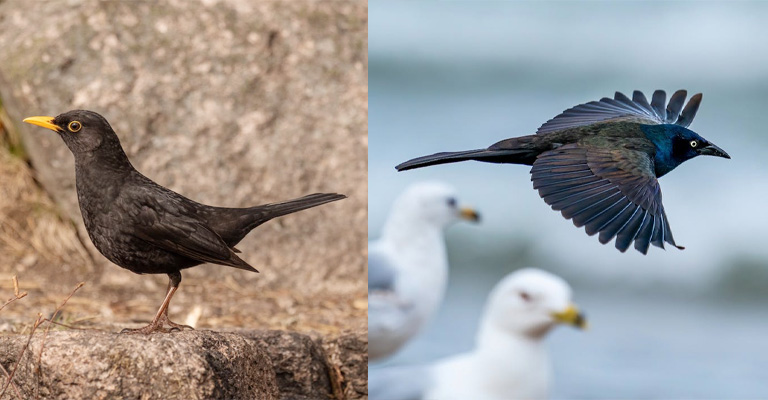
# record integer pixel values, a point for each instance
(612, 192)
(621, 107)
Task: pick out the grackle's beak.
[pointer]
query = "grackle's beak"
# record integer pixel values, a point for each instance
(45, 122)
(469, 214)
(712, 150)
(571, 316)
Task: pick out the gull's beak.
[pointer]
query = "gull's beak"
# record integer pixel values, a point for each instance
(45, 122)
(469, 214)
(712, 150)
(571, 316)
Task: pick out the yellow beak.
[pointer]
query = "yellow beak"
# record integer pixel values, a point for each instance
(571, 316)
(469, 214)
(45, 122)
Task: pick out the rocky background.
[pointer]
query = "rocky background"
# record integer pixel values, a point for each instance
(231, 103)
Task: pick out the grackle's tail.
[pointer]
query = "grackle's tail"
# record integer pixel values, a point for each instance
(484, 155)
(275, 210)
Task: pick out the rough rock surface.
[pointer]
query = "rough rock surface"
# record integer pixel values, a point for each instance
(184, 365)
(349, 354)
(231, 103)
(303, 374)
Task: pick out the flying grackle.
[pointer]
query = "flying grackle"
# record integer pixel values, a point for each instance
(147, 228)
(598, 163)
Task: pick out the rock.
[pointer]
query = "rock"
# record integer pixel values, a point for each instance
(303, 373)
(182, 365)
(231, 103)
(348, 356)
(187, 365)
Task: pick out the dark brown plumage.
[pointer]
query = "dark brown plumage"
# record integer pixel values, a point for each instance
(147, 228)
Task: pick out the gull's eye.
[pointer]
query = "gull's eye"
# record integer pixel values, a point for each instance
(525, 296)
(74, 126)
(694, 143)
(452, 202)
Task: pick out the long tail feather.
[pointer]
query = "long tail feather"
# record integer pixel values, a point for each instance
(232, 224)
(291, 206)
(485, 155)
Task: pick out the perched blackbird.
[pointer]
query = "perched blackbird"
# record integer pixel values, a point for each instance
(598, 163)
(144, 227)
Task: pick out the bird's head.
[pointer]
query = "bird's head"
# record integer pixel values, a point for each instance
(433, 203)
(84, 132)
(676, 144)
(531, 302)
(687, 144)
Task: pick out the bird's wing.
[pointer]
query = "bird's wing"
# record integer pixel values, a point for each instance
(606, 190)
(621, 107)
(183, 235)
(392, 319)
(381, 272)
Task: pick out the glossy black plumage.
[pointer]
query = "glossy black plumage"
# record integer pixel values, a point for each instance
(598, 163)
(147, 228)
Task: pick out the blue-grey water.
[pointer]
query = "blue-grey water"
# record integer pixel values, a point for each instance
(462, 75)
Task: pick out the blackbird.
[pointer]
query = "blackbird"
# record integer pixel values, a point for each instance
(147, 228)
(598, 163)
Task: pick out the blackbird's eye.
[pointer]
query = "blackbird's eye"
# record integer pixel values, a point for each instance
(694, 143)
(74, 126)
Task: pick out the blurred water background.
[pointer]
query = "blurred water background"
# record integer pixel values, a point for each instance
(461, 75)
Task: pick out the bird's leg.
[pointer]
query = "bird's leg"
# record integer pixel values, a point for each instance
(166, 320)
(157, 324)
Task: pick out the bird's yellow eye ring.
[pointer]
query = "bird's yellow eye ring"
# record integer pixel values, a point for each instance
(74, 126)
(694, 143)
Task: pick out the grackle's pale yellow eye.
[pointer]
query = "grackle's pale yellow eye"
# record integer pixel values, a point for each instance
(694, 143)
(74, 126)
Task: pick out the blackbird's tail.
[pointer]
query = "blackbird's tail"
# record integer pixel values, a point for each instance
(485, 155)
(232, 224)
(261, 214)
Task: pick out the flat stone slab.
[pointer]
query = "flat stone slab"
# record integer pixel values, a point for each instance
(181, 365)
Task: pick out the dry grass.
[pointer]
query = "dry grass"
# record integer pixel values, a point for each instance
(9, 374)
(31, 229)
(44, 249)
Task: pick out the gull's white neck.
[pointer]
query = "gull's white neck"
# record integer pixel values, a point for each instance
(420, 245)
(510, 375)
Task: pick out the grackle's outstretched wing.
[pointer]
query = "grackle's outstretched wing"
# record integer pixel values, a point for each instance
(612, 191)
(621, 107)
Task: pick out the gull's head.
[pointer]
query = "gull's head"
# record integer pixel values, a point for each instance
(531, 302)
(433, 203)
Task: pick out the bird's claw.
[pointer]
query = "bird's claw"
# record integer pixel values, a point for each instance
(146, 330)
(158, 326)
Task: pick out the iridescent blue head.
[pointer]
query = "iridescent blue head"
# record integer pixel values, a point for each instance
(676, 144)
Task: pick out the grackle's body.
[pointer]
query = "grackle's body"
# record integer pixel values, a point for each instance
(147, 228)
(598, 163)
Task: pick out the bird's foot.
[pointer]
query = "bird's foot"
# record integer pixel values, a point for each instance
(151, 328)
(177, 327)
(158, 326)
